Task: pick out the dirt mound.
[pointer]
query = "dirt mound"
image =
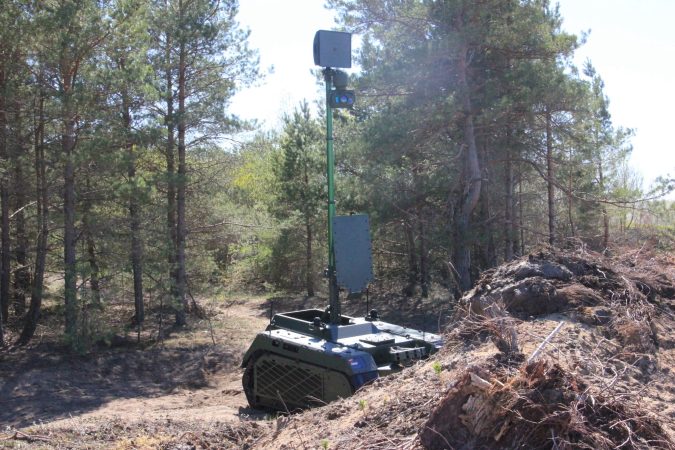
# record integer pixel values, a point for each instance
(634, 306)
(548, 283)
(554, 350)
(541, 406)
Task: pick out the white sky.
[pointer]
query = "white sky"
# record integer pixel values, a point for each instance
(631, 45)
(283, 32)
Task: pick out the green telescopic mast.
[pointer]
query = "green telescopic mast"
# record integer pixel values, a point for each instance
(333, 49)
(333, 292)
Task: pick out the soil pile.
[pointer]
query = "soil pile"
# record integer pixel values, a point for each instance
(554, 350)
(542, 406)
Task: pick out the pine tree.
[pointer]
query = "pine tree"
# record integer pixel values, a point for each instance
(299, 174)
(73, 31)
(204, 58)
(604, 148)
(131, 91)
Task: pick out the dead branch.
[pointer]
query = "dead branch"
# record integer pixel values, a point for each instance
(21, 436)
(546, 341)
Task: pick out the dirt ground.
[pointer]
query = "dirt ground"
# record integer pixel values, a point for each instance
(603, 380)
(182, 392)
(109, 397)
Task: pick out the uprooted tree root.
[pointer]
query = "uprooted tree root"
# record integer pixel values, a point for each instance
(588, 289)
(541, 406)
(491, 322)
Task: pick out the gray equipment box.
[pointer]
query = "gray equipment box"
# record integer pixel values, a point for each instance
(333, 49)
(353, 254)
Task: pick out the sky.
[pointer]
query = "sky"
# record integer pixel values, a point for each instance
(631, 44)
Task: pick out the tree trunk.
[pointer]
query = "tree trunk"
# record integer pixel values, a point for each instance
(471, 181)
(171, 174)
(413, 271)
(603, 210)
(509, 223)
(5, 261)
(70, 235)
(309, 278)
(308, 258)
(550, 174)
(424, 259)
(4, 301)
(134, 217)
(22, 274)
(94, 270)
(43, 228)
(136, 254)
(570, 199)
(2, 331)
(521, 225)
(490, 253)
(181, 307)
(5, 268)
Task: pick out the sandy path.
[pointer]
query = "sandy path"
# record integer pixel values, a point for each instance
(189, 378)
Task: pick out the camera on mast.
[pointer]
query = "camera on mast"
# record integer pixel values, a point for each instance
(341, 98)
(333, 49)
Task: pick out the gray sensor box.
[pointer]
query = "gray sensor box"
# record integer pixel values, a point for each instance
(353, 254)
(333, 49)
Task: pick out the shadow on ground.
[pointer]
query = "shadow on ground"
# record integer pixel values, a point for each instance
(41, 386)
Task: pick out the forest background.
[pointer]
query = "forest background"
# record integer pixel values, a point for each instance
(474, 140)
